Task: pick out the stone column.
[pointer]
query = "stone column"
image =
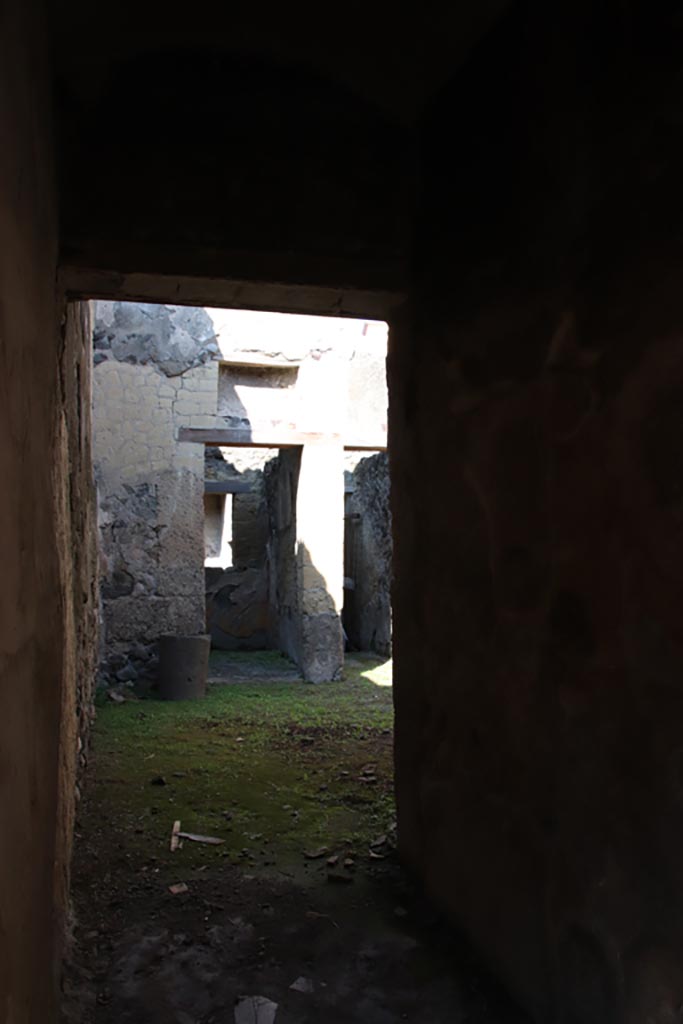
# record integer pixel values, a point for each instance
(320, 560)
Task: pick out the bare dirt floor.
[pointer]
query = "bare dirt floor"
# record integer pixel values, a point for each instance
(301, 911)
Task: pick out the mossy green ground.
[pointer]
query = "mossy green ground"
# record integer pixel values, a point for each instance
(274, 768)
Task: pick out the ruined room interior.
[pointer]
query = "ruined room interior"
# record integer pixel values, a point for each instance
(242, 485)
(500, 183)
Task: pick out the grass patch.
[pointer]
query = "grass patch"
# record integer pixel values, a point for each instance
(271, 767)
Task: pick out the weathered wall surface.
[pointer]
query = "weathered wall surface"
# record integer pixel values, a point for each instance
(46, 544)
(282, 482)
(538, 663)
(154, 374)
(367, 557)
(305, 503)
(76, 525)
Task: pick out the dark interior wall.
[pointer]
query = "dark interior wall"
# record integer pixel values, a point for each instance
(248, 141)
(46, 582)
(536, 385)
(244, 165)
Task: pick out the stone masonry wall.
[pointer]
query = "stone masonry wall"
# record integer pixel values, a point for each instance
(282, 481)
(367, 557)
(153, 376)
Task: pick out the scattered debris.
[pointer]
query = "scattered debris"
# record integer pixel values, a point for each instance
(316, 854)
(117, 698)
(339, 877)
(177, 888)
(196, 838)
(213, 906)
(349, 862)
(158, 780)
(176, 842)
(333, 860)
(302, 984)
(255, 1010)
(380, 841)
(376, 856)
(239, 739)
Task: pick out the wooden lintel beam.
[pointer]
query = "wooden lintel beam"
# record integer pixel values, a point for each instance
(378, 444)
(257, 437)
(227, 487)
(273, 437)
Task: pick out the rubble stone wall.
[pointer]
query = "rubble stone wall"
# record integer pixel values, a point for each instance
(155, 377)
(367, 557)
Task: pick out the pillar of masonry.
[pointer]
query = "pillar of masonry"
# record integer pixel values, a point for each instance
(320, 559)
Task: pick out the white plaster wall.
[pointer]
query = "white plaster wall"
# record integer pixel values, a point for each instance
(340, 386)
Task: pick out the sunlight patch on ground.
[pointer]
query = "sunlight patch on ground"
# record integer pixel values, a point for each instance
(381, 675)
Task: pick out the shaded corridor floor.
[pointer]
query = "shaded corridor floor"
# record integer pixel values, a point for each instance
(277, 770)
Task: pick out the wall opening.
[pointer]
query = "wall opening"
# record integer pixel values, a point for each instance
(199, 415)
(218, 513)
(220, 837)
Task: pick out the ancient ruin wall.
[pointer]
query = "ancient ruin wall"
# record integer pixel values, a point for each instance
(46, 539)
(367, 557)
(153, 375)
(282, 480)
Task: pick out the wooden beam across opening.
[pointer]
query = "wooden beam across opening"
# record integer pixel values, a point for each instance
(227, 487)
(274, 436)
(377, 444)
(257, 437)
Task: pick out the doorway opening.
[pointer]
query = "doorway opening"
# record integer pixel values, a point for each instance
(223, 440)
(244, 844)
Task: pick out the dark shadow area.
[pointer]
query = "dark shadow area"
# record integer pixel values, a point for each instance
(235, 147)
